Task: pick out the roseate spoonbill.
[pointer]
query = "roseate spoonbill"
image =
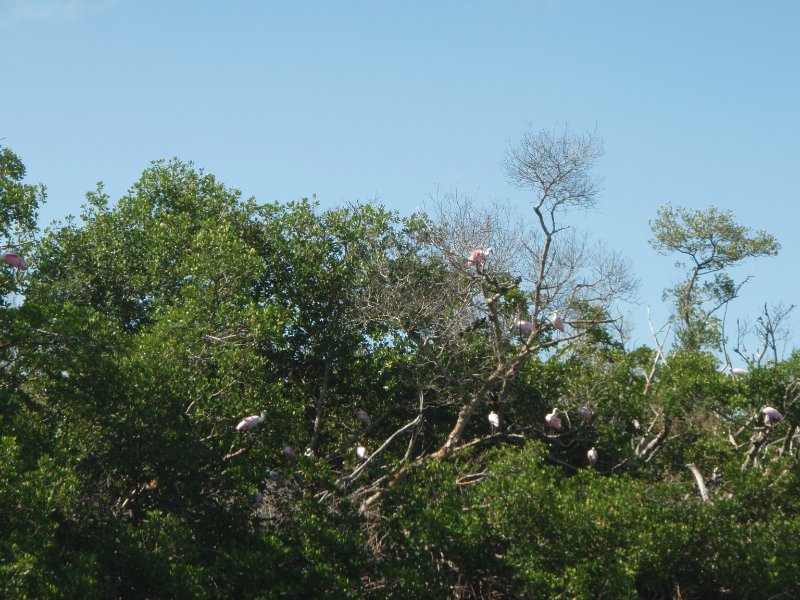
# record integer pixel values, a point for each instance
(557, 322)
(524, 326)
(552, 419)
(494, 420)
(289, 454)
(591, 457)
(586, 413)
(738, 371)
(251, 421)
(12, 259)
(477, 256)
(362, 415)
(361, 452)
(771, 415)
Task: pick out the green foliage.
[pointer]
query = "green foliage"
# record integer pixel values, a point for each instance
(152, 325)
(19, 203)
(711, 241)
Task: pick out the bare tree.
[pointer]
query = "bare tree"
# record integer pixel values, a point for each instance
(770, 329)
(476, 322)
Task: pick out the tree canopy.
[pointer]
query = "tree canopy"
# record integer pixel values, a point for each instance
(710, 241)
(377, 346)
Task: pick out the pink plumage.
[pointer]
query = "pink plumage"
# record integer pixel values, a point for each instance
(771, 415)
(362, 415)
(552, 420)
(475, 257)
(13, 259)
(586, 413)
(557, 322)
(250, 422)
(524, 326)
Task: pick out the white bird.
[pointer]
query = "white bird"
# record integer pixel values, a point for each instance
(494, 420)
(361, 452)
(771, 415)
(251, 421)
(738, 371)
(591, 456)
(552, 419)
(557, 322)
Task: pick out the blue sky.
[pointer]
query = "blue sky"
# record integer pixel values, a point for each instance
(696, 102)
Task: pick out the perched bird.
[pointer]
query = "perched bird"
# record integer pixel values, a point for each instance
(738, 371)
(362, 415)
(591, 457)
(494, 420)
(524, 326)
(361, 452)
(289, 454)
(251, 421)
(771, 415)
(557, 322)
(586, 413)
(477, 256)
(12, 259)
(552, 419)
(258, 498)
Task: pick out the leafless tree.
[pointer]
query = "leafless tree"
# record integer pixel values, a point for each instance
(771, 331)
(464, 318)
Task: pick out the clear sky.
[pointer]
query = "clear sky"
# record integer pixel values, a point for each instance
(696, 101)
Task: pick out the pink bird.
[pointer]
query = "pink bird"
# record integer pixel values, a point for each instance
(477, 256)
(361, 452)
(738, 371)
(591, 457)
(362, 415)
(771, 415)
(557, 322)
(586, 413)
(251, 421)
(13, 259)
(524, 326)
(289, 454)
(552, 419)
(494, 420)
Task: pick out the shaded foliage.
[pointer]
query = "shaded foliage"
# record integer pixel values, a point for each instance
(152, 325)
